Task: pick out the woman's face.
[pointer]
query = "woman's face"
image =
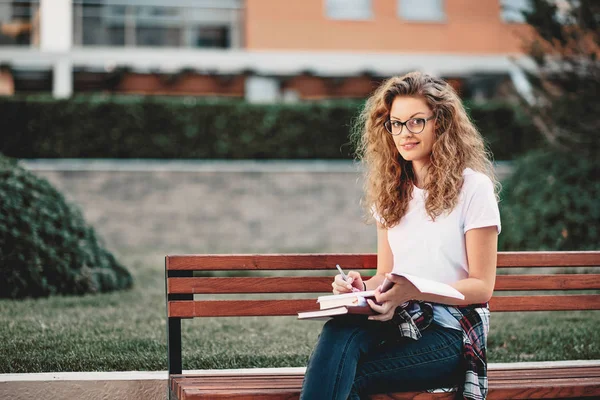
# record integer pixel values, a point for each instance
(414, 147)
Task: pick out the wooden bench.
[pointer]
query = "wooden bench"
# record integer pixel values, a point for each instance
(534, 380)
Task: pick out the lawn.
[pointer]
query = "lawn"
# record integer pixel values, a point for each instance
(127, 331)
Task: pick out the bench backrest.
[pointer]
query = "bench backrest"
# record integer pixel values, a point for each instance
(180, 281)
(182, 285)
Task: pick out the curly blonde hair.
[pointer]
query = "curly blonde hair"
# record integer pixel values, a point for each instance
(389, 179)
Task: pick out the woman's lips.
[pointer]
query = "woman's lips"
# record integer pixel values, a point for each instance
(409, 146)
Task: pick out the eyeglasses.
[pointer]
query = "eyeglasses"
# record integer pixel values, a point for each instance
(414, 125)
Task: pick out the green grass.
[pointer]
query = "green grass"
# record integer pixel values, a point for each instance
(127, 331)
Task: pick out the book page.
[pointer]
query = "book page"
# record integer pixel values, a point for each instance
(332, 312)
(366, 293)
(425, 285)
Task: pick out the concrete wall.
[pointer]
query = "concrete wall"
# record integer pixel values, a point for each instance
(218, 207)
(84, 390)
(214, 208)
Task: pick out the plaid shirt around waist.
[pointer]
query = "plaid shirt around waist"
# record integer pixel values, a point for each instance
(415, 316)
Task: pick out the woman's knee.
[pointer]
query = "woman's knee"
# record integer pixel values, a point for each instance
(345, 336)
(338, 328)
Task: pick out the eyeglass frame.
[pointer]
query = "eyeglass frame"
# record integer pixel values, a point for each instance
(404, 125)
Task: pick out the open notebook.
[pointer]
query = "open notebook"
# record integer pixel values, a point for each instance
(355, 303)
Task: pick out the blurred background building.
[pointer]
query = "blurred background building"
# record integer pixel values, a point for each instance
(258, 50)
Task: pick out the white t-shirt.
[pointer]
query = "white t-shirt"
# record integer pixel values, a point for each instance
(436, 250)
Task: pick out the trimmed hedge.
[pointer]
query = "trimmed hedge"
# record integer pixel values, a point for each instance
(45, 245)
(187, 127)
(550, 202)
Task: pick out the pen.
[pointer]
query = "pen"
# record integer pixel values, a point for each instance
(345, 277)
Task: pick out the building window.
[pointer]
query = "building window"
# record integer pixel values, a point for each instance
(217, 37)
(19, 22)
(349, 9)
(512, 10)
(421, 10)
(156, 23)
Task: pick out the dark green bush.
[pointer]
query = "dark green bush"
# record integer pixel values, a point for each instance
(508, 132)
(45, 245)
(159, 127)
(551, 203)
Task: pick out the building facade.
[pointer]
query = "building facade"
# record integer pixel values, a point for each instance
(261, 50)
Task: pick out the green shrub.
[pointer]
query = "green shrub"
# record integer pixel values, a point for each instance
(45, 245)
(507, 131)
(180, 127)
(551, 203)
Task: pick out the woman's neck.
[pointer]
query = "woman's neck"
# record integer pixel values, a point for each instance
(420, 173)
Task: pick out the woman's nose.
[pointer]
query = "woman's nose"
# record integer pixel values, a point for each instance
(405, 133)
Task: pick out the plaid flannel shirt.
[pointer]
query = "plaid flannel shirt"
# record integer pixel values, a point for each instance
(415, 316)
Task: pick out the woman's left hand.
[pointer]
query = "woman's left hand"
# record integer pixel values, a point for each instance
(400, 293)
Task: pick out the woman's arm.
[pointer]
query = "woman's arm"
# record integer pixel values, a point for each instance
(482, 254)
(385, 258)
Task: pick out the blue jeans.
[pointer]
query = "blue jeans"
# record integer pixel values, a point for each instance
(355, 357)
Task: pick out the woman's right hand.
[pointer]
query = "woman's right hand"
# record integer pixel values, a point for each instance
(354, 283)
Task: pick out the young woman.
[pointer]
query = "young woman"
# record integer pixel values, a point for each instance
(431, 188)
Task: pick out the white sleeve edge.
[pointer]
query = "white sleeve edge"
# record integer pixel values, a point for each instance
(483, 224)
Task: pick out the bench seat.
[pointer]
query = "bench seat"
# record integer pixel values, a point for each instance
(538, 380)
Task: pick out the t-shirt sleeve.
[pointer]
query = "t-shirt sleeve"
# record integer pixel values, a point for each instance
(482, 207)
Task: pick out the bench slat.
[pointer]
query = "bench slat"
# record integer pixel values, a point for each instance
(519, 389)
(264, 394)
(271, 262)
(495, 374)
(543, 373)
(231, 285)
(278, 382)
(288, 387)
(545, 389)
(230, 394)
(546, 303)
(548, 282)
(322, 284)
(243, 308)
(494, 393)
(541, 369)
(516, 259)
(361, 261)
